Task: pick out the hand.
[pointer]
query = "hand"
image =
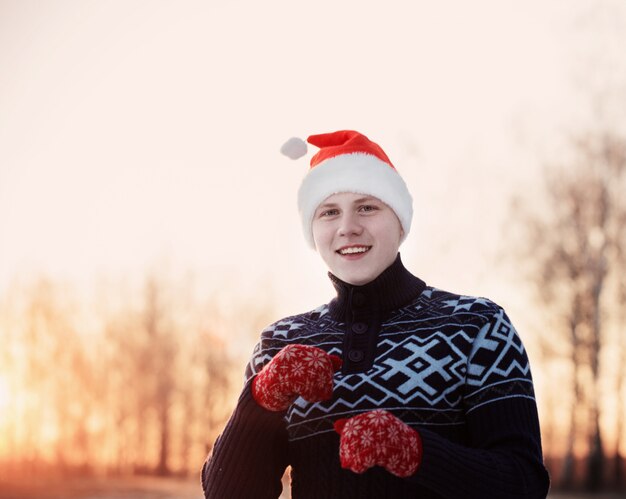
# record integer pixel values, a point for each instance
(379, 438)
(297, 370)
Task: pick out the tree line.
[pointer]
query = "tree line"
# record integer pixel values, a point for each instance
(134, 383)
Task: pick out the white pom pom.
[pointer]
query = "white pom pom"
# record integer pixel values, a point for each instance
(294, 148)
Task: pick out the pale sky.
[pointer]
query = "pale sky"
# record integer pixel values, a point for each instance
(136, 133)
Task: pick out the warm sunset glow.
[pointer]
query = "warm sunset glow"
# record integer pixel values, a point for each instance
(5, 415)
(148, 223)
(5, 398)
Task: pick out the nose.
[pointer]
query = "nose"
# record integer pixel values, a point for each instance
(349, 225)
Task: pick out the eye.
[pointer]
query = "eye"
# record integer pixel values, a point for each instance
(328, 213)
(368, 208)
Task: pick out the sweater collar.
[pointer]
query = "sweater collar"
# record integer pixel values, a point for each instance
(392, 289)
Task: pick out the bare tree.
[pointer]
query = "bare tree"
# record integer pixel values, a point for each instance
(619, 249)
(574, 248)
(171, 374)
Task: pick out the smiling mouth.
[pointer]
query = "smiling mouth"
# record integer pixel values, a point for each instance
(352, 250)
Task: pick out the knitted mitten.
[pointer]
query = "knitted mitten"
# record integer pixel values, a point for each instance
(297, 370)
(379, 438)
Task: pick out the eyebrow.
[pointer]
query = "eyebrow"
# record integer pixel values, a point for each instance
(365, 199)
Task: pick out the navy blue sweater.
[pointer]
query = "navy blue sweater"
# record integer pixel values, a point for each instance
(450, 366)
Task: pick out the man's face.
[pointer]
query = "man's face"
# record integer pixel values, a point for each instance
(358, 236)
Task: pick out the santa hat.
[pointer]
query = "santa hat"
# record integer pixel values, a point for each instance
(348, 162)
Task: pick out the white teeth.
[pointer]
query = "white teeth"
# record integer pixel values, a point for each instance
(355, 249)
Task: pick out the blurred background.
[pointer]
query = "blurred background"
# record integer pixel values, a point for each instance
(149, 230)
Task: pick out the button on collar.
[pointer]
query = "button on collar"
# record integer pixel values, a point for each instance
(359, 327)
(355, 355)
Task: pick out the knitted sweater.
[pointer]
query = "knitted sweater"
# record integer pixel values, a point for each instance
(450, 366)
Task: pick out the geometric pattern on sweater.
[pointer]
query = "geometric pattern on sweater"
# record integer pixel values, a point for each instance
(438, 358)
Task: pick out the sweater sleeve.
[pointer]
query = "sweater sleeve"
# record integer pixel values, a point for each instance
(250, 456)
(502, 457)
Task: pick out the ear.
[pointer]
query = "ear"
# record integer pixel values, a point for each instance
(402, 234)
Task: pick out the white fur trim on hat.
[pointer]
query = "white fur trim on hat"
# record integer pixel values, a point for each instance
(358, 173)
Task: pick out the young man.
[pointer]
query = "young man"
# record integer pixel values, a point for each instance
(392, 389)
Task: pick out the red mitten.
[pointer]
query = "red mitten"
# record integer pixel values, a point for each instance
(297, 370)
(379, 438)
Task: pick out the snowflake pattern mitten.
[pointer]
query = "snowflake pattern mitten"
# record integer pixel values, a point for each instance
(297, 370)
(378, 438)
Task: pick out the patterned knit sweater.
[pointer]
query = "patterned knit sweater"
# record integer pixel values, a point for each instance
(452, 367)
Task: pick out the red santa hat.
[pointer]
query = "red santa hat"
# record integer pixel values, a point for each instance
(348, 162)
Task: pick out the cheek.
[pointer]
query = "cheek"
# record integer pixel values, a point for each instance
(319, 236)
(392, 235)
